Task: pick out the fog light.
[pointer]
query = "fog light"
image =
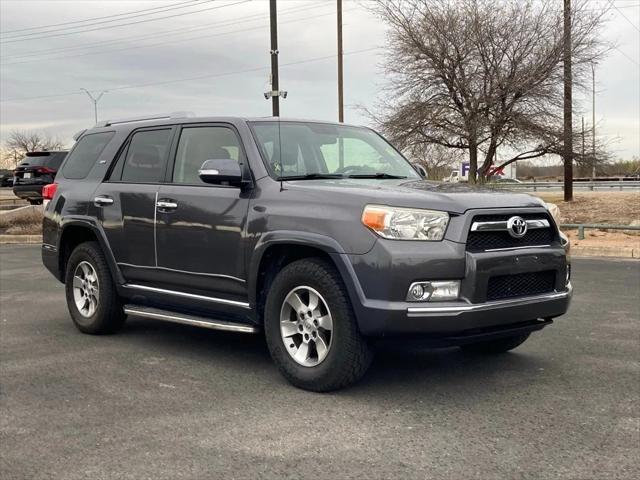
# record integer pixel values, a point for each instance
(417, 291)
(437, 291)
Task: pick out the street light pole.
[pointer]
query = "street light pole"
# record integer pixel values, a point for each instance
(95, 101)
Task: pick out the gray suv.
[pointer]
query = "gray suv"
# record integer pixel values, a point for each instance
(322, 236)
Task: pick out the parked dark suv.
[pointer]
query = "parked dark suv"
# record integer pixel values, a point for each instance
(320, 235)
(36, 170)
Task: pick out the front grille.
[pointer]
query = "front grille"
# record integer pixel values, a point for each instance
(481, 241)
(521, 285)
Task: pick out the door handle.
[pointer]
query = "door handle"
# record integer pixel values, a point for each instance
(102, 201)
(166, 205)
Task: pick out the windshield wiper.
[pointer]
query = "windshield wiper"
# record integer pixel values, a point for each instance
(312, 176)
(377, 175)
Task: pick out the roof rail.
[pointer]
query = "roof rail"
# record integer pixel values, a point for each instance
(77, 135)
(160, 116)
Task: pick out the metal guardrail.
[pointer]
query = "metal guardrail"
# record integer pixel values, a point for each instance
(596, 185)
(600, 226)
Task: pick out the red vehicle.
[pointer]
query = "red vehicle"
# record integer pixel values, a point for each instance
(35, 171)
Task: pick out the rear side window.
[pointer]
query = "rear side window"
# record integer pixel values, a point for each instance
(146, 156)
(85, 155)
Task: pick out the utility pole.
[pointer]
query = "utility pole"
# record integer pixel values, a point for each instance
(275, 93)
(340, 72)
(583, 139)
(568, 106)
(593, 121)
(95, 101)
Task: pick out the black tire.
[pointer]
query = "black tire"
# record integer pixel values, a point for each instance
(348, 357)
(499, 345)
(109, 315)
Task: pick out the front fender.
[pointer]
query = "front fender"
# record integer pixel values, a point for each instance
(307, 239)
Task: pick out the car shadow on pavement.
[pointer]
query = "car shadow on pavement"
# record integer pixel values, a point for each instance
(250, 350)
(424, 366)
(395, 366)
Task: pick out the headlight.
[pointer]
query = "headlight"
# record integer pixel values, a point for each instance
(405, 223)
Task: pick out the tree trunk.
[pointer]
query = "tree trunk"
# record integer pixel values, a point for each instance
(488, 161)
(473, 161)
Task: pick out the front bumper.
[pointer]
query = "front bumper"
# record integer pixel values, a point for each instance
(461, 318)
(382, 276)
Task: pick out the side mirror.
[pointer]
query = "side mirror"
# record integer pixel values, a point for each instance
(222, 171)
(421, 170)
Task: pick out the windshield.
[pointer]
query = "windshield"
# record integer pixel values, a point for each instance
(318, 150)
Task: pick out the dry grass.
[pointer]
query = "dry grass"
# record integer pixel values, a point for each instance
(28, 224)
(597, 207)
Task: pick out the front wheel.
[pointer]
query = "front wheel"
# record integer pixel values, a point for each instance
(92, 298)
(499, 345)
(311, 330)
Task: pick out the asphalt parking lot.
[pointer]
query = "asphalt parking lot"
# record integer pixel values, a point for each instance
(168, 401)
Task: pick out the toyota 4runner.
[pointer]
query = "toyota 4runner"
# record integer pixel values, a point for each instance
(322, 236)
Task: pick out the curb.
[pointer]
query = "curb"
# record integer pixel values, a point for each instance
(593, 251)
(20, 239)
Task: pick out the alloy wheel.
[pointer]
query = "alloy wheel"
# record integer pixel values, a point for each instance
(306, 326)
(86, 291)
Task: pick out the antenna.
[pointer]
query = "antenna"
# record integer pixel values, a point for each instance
(280, 155)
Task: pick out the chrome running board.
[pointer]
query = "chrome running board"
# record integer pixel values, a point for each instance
(187, 319)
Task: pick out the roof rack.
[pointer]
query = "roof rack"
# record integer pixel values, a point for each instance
(160, 116)
(77, 135)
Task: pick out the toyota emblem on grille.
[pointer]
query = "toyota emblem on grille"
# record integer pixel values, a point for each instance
(517, 227)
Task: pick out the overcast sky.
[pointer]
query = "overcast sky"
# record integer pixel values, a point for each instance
(212, 58)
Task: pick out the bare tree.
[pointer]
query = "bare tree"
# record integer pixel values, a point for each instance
(21, 142)
(438, 160)
(477, 75)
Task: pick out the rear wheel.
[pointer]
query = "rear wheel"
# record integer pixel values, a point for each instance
(92, 298)
(311, 330)
(499, 345)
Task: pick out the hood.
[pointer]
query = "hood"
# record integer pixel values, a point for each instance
(449, 197)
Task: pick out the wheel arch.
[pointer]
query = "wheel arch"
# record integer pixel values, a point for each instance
(278, 249)
(77, 231)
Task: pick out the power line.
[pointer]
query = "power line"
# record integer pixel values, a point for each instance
(626, 56)
(166, 42)
(46, 32)
(624, 16)
(188, 79)
(192, 2)
(126, 24)
(165, 33)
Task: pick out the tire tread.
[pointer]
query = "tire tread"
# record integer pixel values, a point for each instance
(355, 357)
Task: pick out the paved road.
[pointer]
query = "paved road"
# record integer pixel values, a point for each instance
(167, 401)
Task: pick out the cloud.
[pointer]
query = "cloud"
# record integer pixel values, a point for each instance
(234, 39)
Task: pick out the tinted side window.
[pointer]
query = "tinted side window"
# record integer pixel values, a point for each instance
(85, 154)
(198, 144)
(146, 156)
